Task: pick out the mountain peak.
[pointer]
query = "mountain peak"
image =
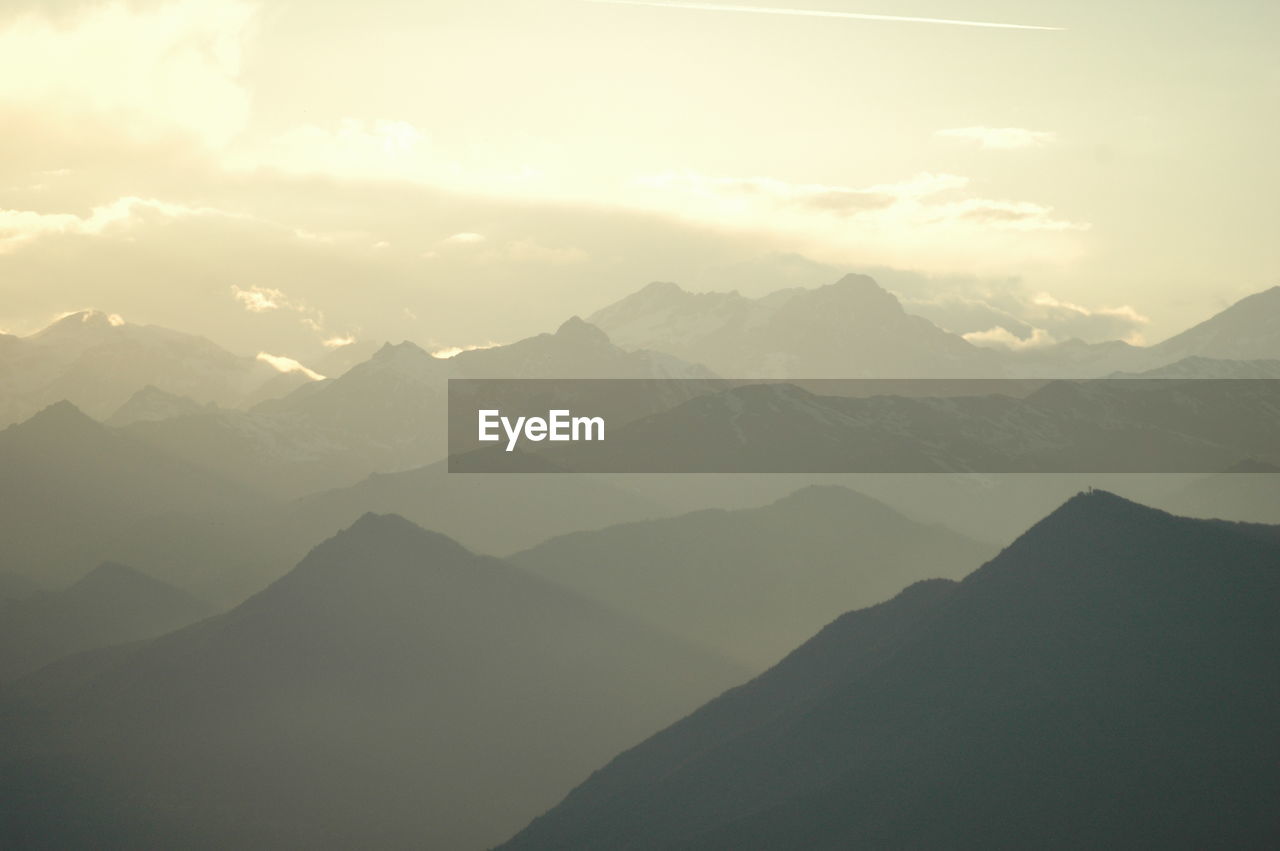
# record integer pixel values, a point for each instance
(59, 416)
(661, 288)
(377, 529)
(80, 322)
(577, 329)
(390, 351)
(111, 576)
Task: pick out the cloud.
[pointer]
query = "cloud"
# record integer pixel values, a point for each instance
(480, 250)
(463, 239)
(259, 299)
(1001, 338)
(454, 351)
(913, 223)
(155, 69)
(288, 366)
(21, 226)
(1005, 314)
(1001, 138)
(339, 342)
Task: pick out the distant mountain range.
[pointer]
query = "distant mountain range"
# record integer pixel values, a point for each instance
(1108, 681)
(854, 328)
(76, 492)
(112, 604)
(394, 690)
(386, 414)
(753, 584)
(97, 362)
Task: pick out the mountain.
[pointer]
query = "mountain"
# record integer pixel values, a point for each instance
(112, 604)
(752, 584)
(1248, 491)
(98, 361)
(1108, 681)
(16, 586)
(852, 328)
(1202, 367)
(392, 691)
(76, 492)
(151, 404)
(1247, 330)
(386, 414)
(495, 514)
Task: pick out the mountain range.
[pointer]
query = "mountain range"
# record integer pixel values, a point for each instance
(97, 361)
(752, 584)
(854, 328)
(1107, 681)
(393, 690)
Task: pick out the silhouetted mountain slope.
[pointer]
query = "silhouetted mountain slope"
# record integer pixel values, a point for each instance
(1247, 330)
(394, 690)
(1108, 681)
(73, 488)
(852, 328)
(753, 584)
(112, 604)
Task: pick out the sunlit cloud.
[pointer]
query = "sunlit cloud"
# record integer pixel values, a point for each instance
(288, 366)
(259, 299)
(1006, 315)
(1000, 337)
(20, 226)
(914, 223)
(1001, 138)
(159, 68)
(454, 351)
(339, 342)
(817, 13)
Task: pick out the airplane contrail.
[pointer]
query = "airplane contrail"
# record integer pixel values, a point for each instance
(818, 13)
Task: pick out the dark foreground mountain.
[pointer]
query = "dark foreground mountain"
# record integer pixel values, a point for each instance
(1108, 681)
(394, 690)
(112, 604)
(752, 584)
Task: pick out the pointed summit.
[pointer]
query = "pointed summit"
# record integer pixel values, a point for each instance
(577, 330)
(60, 418)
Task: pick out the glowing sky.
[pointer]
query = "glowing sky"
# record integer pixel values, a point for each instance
(278, 174)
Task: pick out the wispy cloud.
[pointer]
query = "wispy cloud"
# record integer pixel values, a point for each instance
(285, 365)
(820, 13)
(1001, 138)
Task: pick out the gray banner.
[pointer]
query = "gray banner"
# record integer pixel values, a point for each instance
(863, 426)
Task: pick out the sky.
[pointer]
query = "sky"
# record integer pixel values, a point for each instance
(287, 174)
